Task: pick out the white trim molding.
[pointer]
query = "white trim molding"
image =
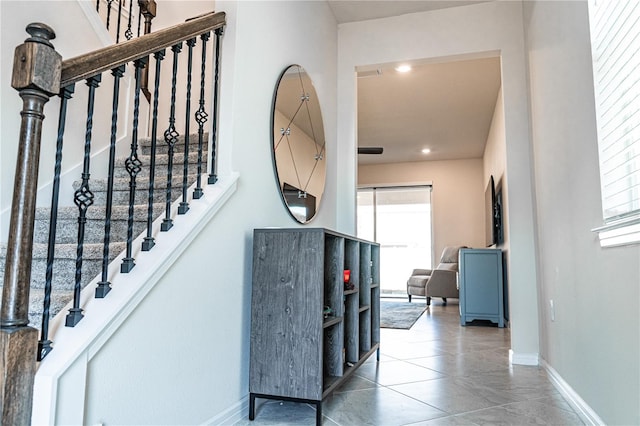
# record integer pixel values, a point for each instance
(585, 412)
(620, 233)
(61, 377)
(233, 414)
(523, 358)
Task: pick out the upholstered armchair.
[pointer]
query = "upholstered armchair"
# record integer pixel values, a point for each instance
(442, 281)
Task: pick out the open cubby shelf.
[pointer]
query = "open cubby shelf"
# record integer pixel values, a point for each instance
(296, 353)
(328, 322)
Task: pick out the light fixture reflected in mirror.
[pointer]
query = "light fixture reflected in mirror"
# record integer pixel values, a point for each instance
(298, 143)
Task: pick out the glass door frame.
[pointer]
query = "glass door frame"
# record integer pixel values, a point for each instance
(374, 188)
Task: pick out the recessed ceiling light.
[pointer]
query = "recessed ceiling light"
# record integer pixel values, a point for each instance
(403, 68)
(426, 151)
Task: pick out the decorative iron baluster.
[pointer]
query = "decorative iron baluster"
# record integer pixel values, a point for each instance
(201, 116)
(119, 21)
(128, 33)
(133, 166)
(98, 6)
(184, 205)
(83, 198)
(171, 137)
(213, 178)
(44, 344)
(139, 19)
(104, 286)
(109, 3)
(149, 241)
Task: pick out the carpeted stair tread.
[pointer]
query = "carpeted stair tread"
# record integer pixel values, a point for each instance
(121, 189)
(118, 212)
(64, 265)
(67, 228)
(162, 147)
(162, 160)
(142, 183)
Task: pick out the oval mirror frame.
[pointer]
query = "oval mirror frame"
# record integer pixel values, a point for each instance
(298, 143)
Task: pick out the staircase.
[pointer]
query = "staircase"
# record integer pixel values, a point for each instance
(64, 265)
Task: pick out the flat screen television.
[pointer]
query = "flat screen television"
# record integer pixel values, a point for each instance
(493, 215)
(302, 205)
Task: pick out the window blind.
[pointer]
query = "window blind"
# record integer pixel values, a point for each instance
(615, 42)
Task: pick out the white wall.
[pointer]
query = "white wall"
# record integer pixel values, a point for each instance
(457, 196)
(469, 31)
(594, 342)
(494, 159)
(183, 356)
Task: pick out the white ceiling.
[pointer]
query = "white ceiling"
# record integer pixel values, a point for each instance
(362, 10)
(444, 106)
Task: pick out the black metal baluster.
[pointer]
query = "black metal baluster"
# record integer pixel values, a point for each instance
(119, 21)
(109, 3)
(133, 166)
(44, 345)
(104, 286)
(83, 198)
(98, 6)
(184, 205)
(201, 116)
(139, 19)
(213, 178)
(149, 241)
(170, 137)
(128, 33)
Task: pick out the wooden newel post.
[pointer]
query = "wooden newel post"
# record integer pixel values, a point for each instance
(36, 76)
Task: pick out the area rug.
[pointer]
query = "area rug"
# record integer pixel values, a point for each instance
(400, 314)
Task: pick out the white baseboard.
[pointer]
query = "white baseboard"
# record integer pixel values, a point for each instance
(231, 415)
(523, 358)
(585, 412)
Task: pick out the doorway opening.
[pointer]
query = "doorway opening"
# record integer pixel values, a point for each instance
(399, 219)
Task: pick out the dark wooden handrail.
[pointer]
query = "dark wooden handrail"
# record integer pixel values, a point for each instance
(87, 65)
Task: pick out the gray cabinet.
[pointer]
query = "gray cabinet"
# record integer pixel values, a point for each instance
(481, 290)
(308, 332)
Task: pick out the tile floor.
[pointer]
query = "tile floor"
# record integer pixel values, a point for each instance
(436, 373)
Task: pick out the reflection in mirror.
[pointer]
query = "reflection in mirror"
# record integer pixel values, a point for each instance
(298, 143)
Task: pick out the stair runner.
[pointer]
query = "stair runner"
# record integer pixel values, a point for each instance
(64, 265)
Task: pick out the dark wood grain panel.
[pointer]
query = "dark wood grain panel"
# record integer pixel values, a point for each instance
(334, 273)
(351, 319)
(365, 330)
(375, 264)
(286, 336)
(332, 350)
(375, 315)
(375, 294)
(352, 260)
(365, 273)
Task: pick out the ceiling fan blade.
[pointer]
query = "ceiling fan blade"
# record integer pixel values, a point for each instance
(370, 150)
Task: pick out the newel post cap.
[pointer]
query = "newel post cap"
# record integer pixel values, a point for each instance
(36, 64)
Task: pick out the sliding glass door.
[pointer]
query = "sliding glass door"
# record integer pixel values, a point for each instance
(399, 218)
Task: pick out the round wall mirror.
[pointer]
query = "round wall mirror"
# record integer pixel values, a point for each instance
(298, 143)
